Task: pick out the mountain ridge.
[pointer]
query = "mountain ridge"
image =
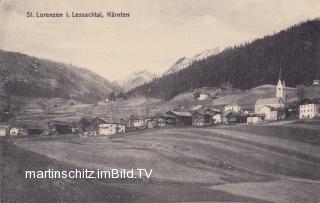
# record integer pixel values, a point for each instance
(244, 66)
(185, 62)
(28, 76)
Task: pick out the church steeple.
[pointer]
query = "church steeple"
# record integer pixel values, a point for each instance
(281, 86)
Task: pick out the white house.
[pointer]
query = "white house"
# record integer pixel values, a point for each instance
(15, 131)
(232, 107)
(121, 128)
(271, 113)
(201, 96)
(254, 119)
(217, 118)
(4, 130)
(316, 82)
(111, 128)
(136, 122)
(310, 110)
(274, 102)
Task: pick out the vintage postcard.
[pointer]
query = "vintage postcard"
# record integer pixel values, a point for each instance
(160, 101)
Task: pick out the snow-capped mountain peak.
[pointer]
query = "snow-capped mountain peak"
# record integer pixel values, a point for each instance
(135, 79)
(185, 61)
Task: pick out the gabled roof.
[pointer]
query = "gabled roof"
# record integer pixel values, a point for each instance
(180, 113)
(4, 127)
(210, 109)
(272, 108)
(232, 104)
(56, 122)
(272, 100)
(109, 120)
(133, 117)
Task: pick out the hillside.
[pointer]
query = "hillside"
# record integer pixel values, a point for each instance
(245, 66)
(26, 76)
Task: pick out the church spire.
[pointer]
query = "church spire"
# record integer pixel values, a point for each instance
(281, 71)
(280, 89)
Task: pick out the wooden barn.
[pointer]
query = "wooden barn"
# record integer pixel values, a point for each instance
(182, 118)
(59, 127)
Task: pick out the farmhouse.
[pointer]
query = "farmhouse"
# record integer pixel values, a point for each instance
(232, 107)
(84, 123)
(4, 130)
(201, 119)
(316, 82)
(232, 117)
(111, 127)
(255, 118)
(59, 127)
(309, 110)
(32, 130)
(103, 126)
(16, 131)
(201, 96)
(164, 120)
(182, 118)
(136, 122)
(205, 117)
(151, 123)
(217, 118)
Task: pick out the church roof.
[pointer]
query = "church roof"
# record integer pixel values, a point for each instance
(272, 100)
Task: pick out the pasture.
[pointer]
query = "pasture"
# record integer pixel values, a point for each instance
(231, 164)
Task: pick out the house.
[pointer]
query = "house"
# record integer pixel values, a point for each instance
(59, 127)
(182, 118)
(152, 123)
(217, 118)
(4, 130)
(164, 120)
(316, 82)
(83, 123)
(111, 127)
(33, 130)
(201, 119)
(232, 107)
(275, 102)
(272, 113)
(16, 131)
(255, 118)
(232, 117)
(136, 122)
(104, 126)
(92, 129)
(309, 110)
(206, 116)
(201, 96)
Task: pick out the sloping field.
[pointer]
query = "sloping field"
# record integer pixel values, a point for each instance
(225, 160)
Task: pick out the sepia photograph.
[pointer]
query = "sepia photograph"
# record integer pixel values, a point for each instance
(160, 101)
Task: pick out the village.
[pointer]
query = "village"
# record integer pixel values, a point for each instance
(266, 110)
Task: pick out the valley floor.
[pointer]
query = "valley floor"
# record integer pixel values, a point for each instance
(232, 164)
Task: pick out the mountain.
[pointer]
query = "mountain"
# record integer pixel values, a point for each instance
(185, 62)
(245, 66)
(26, 76)
(135, 79)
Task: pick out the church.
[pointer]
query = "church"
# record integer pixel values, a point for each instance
(273, 108)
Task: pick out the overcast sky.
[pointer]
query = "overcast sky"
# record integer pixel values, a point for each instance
(157, 33)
